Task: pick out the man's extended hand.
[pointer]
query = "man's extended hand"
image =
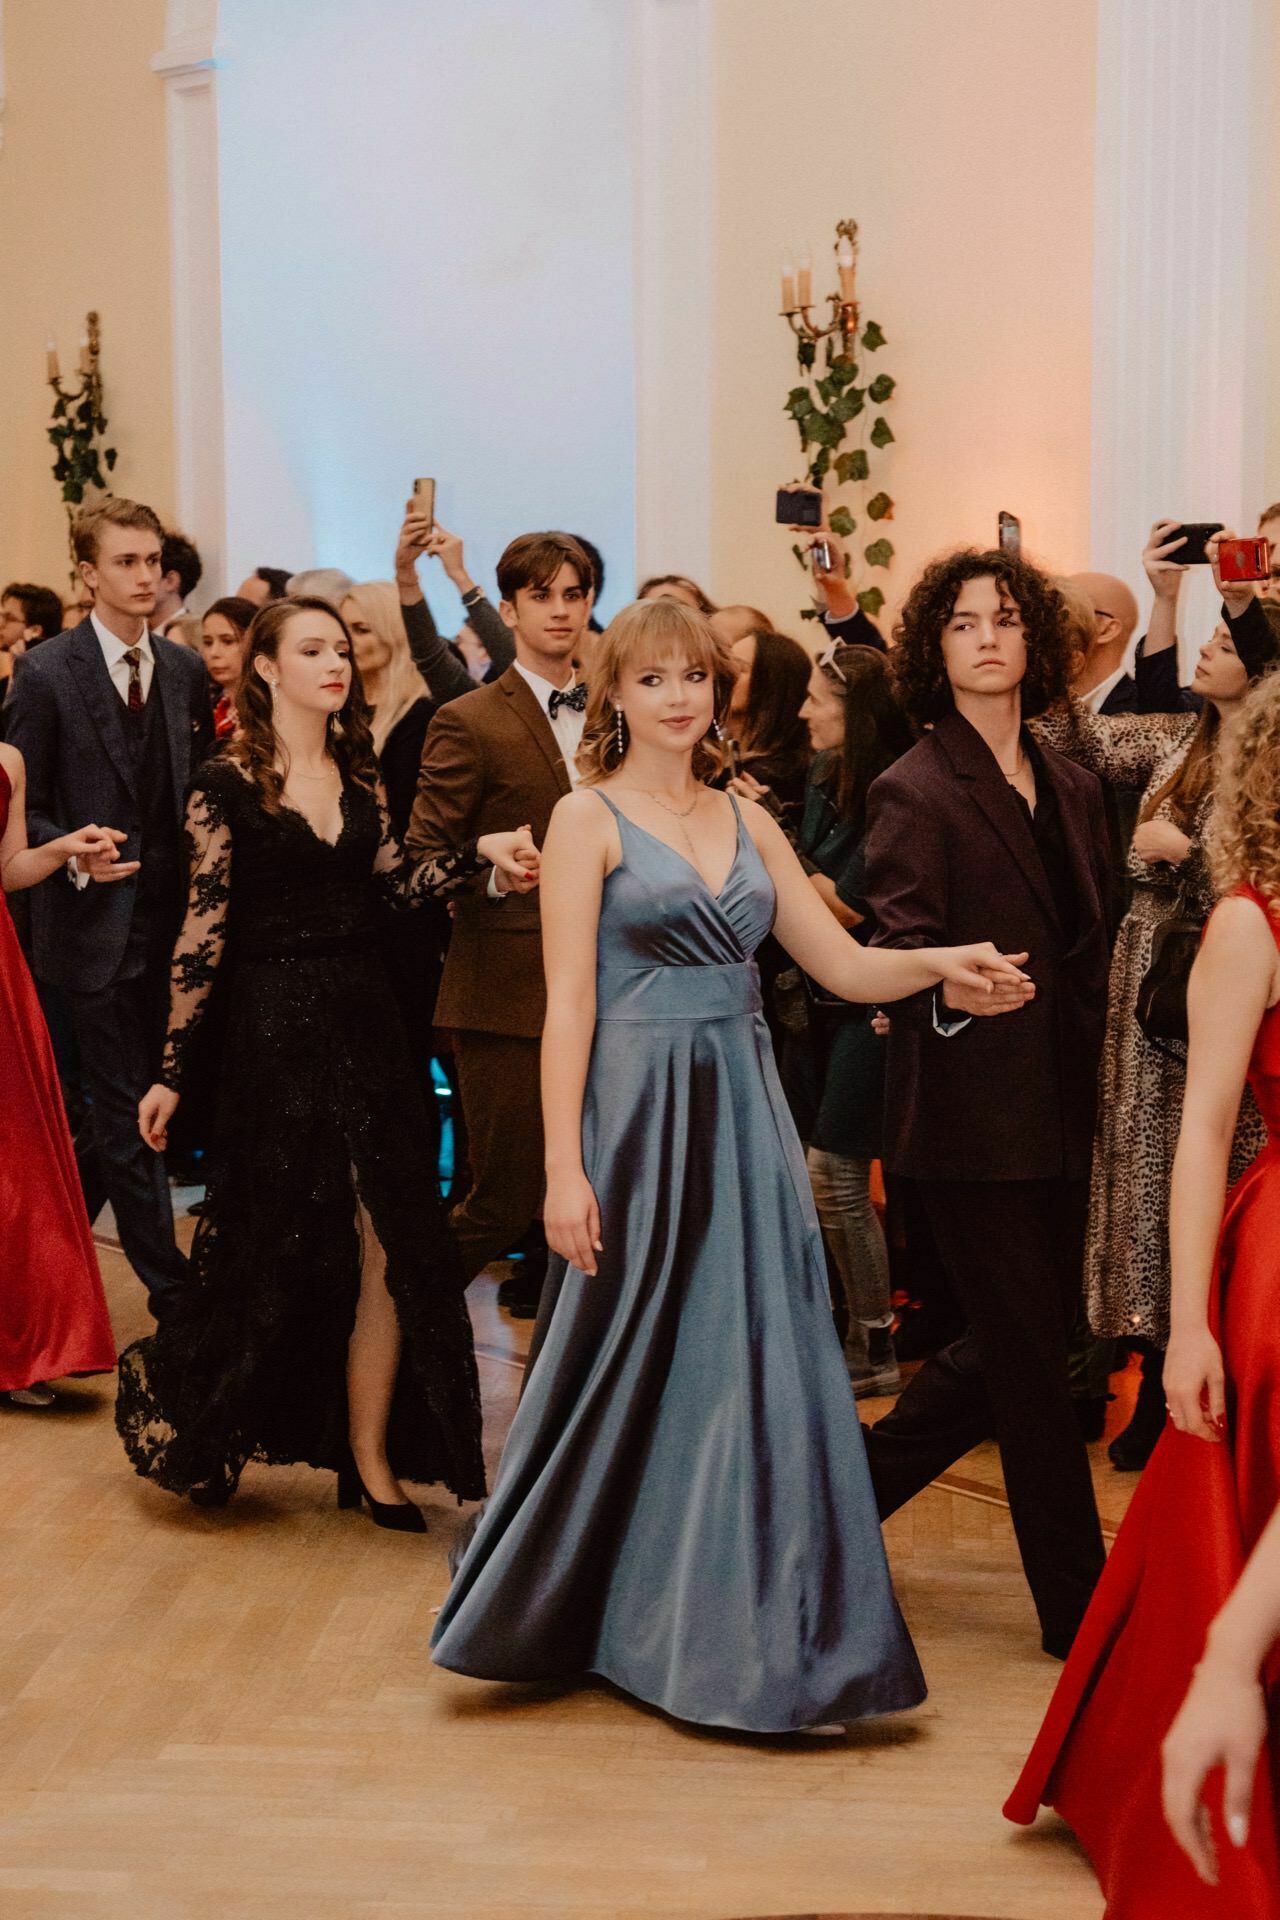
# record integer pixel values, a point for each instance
(1005, 997)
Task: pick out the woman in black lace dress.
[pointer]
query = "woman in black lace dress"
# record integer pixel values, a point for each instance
(324, 1320)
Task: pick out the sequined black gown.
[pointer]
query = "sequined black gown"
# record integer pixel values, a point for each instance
(319, 1111)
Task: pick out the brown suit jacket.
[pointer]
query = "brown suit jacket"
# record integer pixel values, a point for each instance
(950, 859)
(490, 764)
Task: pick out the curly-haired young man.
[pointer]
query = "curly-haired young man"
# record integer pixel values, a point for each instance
(990, 1100)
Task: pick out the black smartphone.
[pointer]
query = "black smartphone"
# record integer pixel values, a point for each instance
(1195, 535)
(1009, 534)
(798, 507)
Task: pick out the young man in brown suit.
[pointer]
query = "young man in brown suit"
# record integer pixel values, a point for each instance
(992, 1117)
(506, 752)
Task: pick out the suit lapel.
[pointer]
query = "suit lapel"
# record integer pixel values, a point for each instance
(177, 721)
(976, 765)
(525, 702)
(103, 703)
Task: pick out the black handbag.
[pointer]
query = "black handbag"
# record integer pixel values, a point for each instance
(1161, 1011)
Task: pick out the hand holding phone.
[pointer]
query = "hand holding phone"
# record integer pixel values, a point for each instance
(1162, 558)
(1009, 534)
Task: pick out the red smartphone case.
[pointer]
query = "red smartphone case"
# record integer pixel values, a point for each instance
(1244, 559)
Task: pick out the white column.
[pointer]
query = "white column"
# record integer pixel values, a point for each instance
(672, 156)
(187, 66)
(1181, 244)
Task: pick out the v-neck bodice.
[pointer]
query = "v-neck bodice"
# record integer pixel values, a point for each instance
(669, 948)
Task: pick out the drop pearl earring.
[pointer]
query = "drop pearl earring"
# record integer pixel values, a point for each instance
(619, 736)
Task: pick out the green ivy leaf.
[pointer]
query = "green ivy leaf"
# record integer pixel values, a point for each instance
(843, 372)
(872, 336)
(110, 456)
(850, 404)
(842, 522)
(881, 387)
(880, 508)
(801, 555)
(821, 467)
(74, 492)
(830, 352)
(871, 600)
(881, 432)
(879, 553)
(799, 401)
(852, 466)
(810, 613)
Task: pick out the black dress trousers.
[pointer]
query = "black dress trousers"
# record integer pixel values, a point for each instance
(1014, 1252)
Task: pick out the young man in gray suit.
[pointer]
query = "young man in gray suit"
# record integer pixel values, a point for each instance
(112, 721)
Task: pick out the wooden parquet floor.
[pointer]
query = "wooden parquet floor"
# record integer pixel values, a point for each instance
(233, 1717)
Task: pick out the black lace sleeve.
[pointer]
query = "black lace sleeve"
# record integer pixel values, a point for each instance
(204, 931)
(403, 883)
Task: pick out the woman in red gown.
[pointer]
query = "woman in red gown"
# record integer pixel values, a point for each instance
(53, 1317)
(1214, 1479)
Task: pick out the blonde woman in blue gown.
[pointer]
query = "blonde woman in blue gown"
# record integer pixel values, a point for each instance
(683, 1507)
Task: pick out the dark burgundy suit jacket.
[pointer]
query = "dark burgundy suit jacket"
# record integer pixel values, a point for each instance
(951, 858)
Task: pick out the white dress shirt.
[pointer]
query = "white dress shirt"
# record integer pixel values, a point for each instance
(1105, 688)
(113, 652)
(567, 725)
(567, 728)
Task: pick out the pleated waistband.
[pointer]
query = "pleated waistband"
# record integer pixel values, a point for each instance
(678, 993)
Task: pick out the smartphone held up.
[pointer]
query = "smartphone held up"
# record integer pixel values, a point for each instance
(424, 500)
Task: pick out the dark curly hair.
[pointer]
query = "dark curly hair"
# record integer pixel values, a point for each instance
(918, 666)
(257, 747)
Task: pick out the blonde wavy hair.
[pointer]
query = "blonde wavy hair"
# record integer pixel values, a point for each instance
(1245, 835)
(650, 631)
(378, 603)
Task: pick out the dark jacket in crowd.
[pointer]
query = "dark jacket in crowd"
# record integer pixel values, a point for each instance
(953, 857)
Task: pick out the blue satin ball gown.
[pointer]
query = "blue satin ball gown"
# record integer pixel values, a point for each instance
(683, 1506)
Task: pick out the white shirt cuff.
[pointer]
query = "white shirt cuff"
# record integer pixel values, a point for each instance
(947, 1028)
(493, 890)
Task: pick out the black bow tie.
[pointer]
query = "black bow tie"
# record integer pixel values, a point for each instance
(575, 698)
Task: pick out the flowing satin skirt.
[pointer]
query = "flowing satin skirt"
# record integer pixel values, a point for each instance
(683, 1507)
(53, 1316)
(1195, 1518)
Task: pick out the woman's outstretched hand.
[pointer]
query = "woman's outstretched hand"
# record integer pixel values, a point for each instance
(1195, 1387)
(513, 857)
(1221, 1723)
(571, 1221)
(97, 849)
(155, 1110)
(981, 980)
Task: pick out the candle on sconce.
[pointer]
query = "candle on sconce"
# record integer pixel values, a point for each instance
(788, 287)
(844, 267)
(805, 278)
(51, 367)
(86, 360)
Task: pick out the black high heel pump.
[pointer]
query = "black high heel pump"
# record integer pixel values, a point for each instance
(396, 1518)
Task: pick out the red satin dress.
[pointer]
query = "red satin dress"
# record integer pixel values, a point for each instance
(53, 1317)
(1195, 1518)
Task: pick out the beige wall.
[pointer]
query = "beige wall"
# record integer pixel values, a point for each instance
(83, 223)
(960, 136)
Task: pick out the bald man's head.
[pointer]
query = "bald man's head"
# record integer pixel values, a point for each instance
(1114, 608)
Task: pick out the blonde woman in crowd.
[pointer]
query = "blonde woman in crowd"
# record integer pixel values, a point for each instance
(684, 1506)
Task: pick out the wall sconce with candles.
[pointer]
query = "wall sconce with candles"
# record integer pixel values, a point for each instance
(78, 426)
(797, 293)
